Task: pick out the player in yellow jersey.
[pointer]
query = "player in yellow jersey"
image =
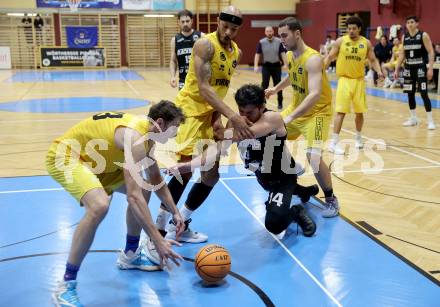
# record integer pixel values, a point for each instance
(88, 161)
(212, 64)
(391, 65)
(310, 112)
(350, 53)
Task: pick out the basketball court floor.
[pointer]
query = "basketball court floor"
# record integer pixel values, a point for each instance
(384, 249)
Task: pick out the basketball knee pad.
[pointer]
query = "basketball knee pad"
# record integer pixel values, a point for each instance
(198, 194)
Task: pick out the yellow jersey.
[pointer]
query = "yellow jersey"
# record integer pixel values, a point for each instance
(95, 136)
(298, 76)
(223, 65)
(396, 51)
(351, 58)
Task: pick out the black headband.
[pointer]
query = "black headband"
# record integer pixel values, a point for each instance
(231, 18)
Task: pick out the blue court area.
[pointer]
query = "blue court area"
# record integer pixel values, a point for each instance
(338, 266)
(80, 75)
(73, 104)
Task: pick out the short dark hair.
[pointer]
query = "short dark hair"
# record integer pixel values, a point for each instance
(185, 12)
(413, 17)
(250, 94)
(292, 23)
(354, 20)
(384, 36)
(166, 110)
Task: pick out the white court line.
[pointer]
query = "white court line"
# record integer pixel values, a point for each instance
(246, 177)
(31, 190)
(40, 120)
(396, 148)
(283, 246)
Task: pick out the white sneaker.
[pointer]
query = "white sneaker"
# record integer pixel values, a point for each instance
(331, 207)
(413, 121)
(187, 235)
(387, 83)
(431, 126)
(137, 260)
(394, 84)
(358, 144)
(150, 251)
(65, 294)
(334, 148)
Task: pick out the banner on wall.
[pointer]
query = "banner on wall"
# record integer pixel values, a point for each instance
(153, 5)
(82, 37)
(85, 4)
(167, 5)
(72, 57)
(139, 5)
(5, 58)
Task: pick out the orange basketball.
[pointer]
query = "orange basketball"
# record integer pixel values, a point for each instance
(212, 263)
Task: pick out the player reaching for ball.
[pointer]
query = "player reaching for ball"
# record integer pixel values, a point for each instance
(275, 172)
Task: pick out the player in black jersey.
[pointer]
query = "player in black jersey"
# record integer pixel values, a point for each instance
(181, 48)
(268, 158)
(417, 53)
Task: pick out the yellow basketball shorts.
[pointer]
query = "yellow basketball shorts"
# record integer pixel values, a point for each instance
(76, 177)
(314, 129)
(193, 134)
(351, 92)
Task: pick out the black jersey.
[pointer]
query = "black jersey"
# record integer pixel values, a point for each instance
(269, 159)
(184, 45)
(416, 54)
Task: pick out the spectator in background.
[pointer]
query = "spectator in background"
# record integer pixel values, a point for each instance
(391, 65)
(383, 51)
(274, 54)
(329, 42)
(27, 27)
(38, 25)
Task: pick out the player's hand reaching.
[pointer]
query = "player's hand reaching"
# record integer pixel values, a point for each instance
(180, 225)
(173, 82)
(241, 126)
(269, 92)
(380, 76)
(165, 251)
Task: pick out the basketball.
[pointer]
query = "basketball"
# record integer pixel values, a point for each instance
(212, 263)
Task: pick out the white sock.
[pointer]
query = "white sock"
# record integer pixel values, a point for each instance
(162, 219)
(358, 135)
(185, 212)
(413, 113)
(429, 115)
(335, 138)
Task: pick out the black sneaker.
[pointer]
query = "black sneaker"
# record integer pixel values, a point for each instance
(304, 221)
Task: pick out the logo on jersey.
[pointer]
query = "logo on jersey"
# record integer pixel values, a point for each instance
(195, 37)
(418, 36)
(347, 44)
(300, 70)
(234, 64)
(221, 67)
(361, 46)
(180, 40)
(222, 56)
